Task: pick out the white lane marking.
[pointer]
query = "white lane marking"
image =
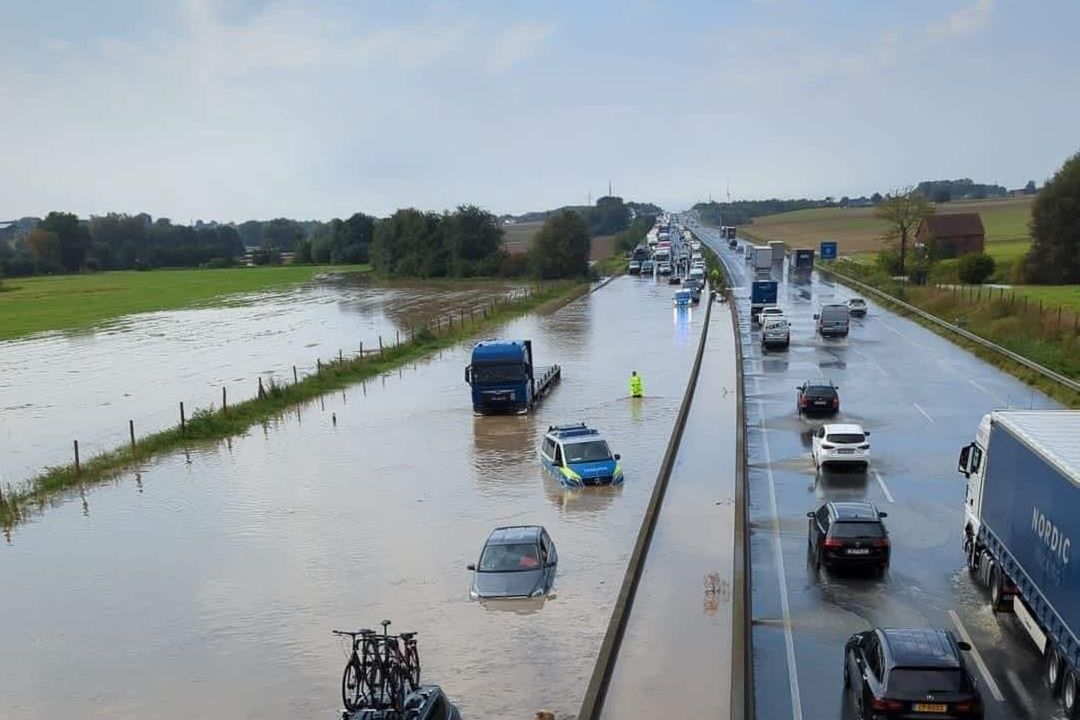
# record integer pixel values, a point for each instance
(925, 414)
(1021, 691)
(989, 392)
(884, 487)
(789, 641)
(866, 357)
(990, 682)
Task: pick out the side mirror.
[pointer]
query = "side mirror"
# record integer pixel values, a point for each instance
(966, 647)
(883, 514)
(810, 514)
(468, 374)
(866, 433)
(617, 456)
(816, 316)
(471, 566)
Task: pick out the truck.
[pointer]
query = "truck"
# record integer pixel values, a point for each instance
(777, 250)
(1021, 513)
(762, 294)
(729, 232)
(762, 257)
(804, 259)
(504, 378)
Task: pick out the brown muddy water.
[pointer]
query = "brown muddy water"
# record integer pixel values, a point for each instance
(86, 385)
(207, 585)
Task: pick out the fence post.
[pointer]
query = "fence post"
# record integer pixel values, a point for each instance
(340, 356)
(224, 400)
(261, 393)
(361, 349)
(1059, 318)
(183, 420)
(78, 468)
(131, 431)
(380, 346)
(397, 336)
(294, 376)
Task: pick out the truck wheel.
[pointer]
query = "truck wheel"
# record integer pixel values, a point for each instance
(1070, 694)
(998, 602)
(1052, 670)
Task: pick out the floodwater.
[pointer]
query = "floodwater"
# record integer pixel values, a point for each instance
(87, 385)
(207, 585)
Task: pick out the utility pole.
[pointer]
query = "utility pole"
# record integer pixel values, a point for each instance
(609, 188)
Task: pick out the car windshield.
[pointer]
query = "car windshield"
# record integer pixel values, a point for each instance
(920, 681)
(845, 438)
(509, 558)
(498, 373)
(857, 301)
(851, 529)
(592, 451)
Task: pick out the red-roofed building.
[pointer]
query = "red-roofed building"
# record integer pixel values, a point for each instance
(952, 234)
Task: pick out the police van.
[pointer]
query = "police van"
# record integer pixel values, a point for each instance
(579, 456)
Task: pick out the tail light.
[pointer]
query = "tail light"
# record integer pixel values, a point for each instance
(882, 542)
(967, 708)
(802, 402)
(836, 402)
(883, 704)
(833, 543)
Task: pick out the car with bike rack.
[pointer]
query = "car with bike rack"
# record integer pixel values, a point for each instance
(578, 456)
(517, 561)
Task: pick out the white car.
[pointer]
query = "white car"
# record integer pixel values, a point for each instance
(840, 443)
(664, 268)
(770, 312)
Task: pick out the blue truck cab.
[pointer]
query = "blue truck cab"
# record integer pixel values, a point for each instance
(762, 294)
(578, 456)
(504, 378)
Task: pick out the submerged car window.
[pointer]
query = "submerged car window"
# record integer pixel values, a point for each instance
(592, 451)
(918, 681)
(848, 529)
(509, 558)
(845, 438)
(497, 373)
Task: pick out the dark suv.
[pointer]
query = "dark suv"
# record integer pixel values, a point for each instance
(849, 534)
(910, 673)
(817, 397)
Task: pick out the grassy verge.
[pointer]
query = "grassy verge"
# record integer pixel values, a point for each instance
(210, 425)
(999, 317)
(69, 302)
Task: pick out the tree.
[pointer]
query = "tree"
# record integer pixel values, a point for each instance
(474, 242)
(561, 248)
(409, 243)
(845, 201)
(45, 249)
(941, 195)
(1054, 257)
(609, 216)
(281, 233)
(74, 238)
(1029, 189)
(903, 210)
(975, 268)
(876, 198)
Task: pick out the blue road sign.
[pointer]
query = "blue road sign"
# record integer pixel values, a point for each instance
(828, 250)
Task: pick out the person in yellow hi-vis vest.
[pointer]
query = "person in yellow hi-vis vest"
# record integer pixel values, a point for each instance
(636, 389)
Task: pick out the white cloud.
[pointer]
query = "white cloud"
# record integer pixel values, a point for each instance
(517, 43)
(965, 21)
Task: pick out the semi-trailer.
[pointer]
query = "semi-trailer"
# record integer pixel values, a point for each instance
(504, 378)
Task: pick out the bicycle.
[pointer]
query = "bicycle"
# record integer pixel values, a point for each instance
(357, 689)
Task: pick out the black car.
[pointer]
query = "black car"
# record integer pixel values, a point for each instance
(817, 397)
(428, 702)
(849, 534)
(910, 673)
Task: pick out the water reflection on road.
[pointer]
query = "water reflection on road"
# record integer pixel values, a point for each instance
(86, 385)
(209, 590)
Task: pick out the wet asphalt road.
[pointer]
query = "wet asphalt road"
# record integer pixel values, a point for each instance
(921, 397)
(206, 584)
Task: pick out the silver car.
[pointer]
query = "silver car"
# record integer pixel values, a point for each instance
(517, 561)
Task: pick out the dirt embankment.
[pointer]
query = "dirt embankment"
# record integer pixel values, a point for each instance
(518, 237)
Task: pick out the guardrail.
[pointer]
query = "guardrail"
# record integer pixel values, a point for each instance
(966, 334)
(596, 691)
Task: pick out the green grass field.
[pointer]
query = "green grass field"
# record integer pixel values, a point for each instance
(69, 302)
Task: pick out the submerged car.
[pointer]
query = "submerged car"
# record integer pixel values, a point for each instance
(910, 673)
(578, 455)
(518, 561)
(841, 444)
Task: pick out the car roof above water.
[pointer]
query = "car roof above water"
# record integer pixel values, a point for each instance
(512, 534)
(921, 647)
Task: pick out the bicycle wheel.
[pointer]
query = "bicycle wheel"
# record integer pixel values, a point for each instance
(395, 687)
(351, 685)
(412, 667)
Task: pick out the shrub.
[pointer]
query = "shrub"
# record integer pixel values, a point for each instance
(975, 268)
(219, 263)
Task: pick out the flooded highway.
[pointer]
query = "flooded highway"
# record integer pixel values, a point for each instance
(86, 385)
(207, 584)
(921, 397)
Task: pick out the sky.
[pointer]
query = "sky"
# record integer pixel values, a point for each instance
(312, 109)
